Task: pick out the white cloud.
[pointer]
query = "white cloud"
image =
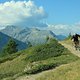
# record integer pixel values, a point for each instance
(22, 13)
(60, 29)
(76, 28)
(64, 29)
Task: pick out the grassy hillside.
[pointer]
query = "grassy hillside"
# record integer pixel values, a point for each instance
(65, 72)
(34, 60)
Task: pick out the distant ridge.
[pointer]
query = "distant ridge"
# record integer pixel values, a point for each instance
(4, 39)
(27, 35)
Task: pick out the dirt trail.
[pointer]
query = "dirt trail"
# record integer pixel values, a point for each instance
(71, 48)
(33, 77)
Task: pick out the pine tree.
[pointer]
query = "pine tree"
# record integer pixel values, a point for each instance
(11, 47)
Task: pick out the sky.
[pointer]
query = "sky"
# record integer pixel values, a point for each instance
(58, 14)
(59, 11)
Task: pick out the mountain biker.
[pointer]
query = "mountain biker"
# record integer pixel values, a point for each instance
(75, 39)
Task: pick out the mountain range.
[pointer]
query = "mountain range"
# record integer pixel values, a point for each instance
(24, 36)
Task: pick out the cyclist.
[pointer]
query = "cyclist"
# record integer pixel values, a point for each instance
(75, 39)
